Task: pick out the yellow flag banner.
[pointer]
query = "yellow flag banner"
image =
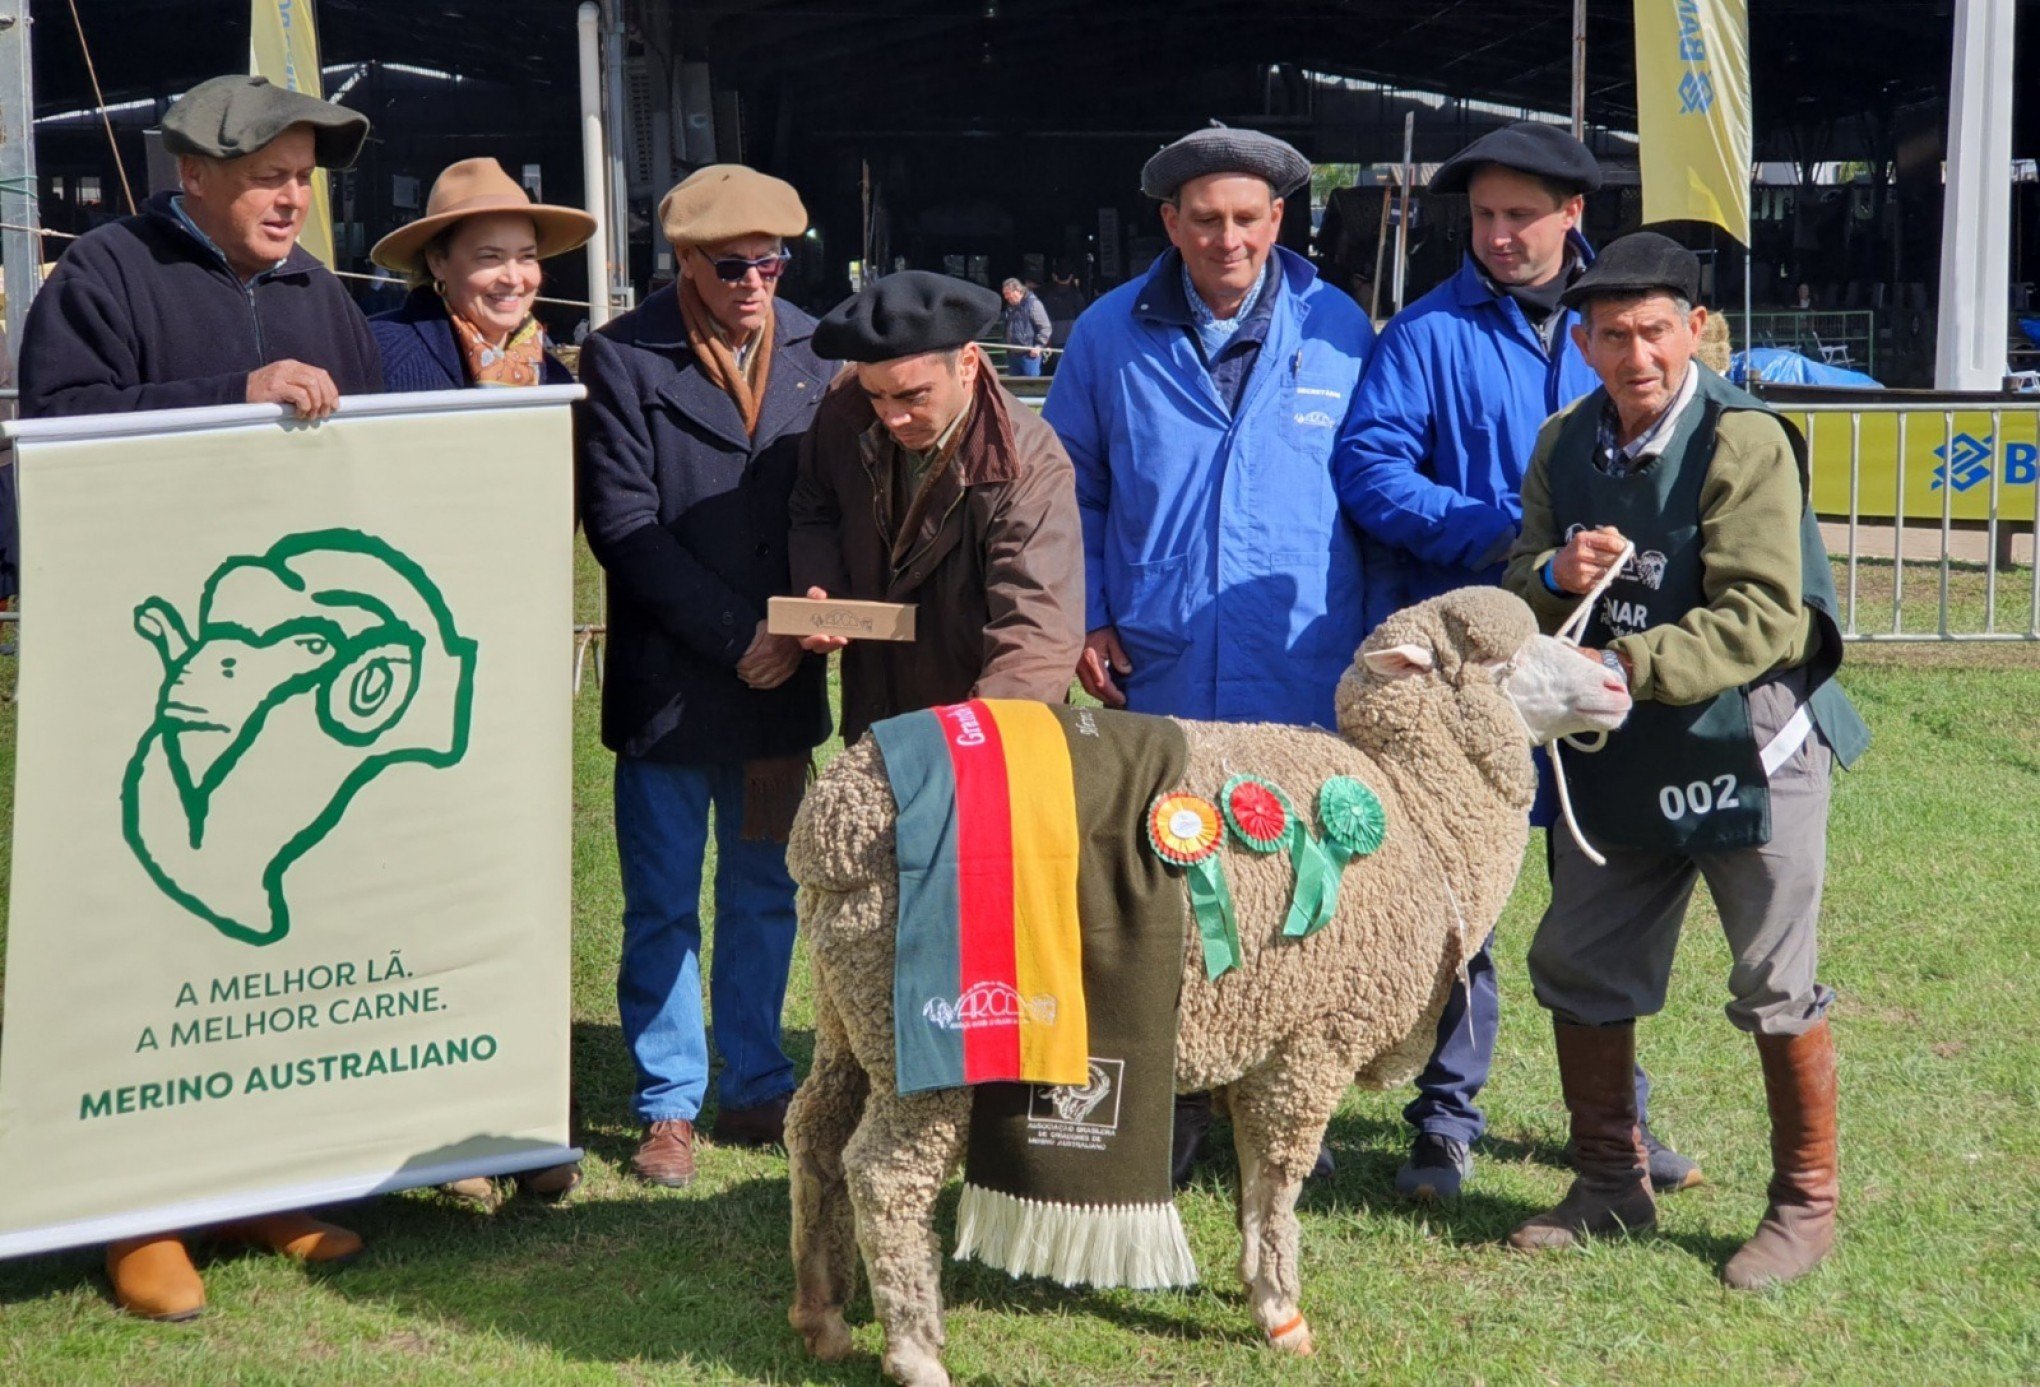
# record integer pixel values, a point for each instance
(290, 890)
(283, 45)
(1693, 111)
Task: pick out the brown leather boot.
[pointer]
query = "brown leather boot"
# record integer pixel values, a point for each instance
(296, 1235)
(477, 1190)
(666, 1155)
(153, 1278)
(551, 1184)
(1798, 1230)
(1611, 1193)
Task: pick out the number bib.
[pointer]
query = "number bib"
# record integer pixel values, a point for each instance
(1676, 779)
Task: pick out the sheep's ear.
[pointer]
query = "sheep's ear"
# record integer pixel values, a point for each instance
(1399, 661)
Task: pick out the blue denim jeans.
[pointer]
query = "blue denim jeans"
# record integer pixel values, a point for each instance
(1021, 364)
(1465, 1052)
(662, 815)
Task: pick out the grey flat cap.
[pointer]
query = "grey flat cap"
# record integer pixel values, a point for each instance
(1222, 149)
(227, 117)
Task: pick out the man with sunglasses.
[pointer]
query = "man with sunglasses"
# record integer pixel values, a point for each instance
(697, 403)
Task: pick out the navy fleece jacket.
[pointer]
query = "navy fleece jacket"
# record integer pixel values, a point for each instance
(140, 314)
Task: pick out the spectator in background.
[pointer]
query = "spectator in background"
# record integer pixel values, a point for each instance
(1802, 299)
(1028, 330)
(1065, 299)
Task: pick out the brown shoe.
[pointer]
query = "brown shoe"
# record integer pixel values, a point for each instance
(551, 1184)
(1611, 1193)
(296, 1235)
(153, 1278)
(476, 1190)
(764, 1125)
(1798, 1230)
(666, 1155)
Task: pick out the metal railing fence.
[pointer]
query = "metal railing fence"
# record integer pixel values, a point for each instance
(1966, 474)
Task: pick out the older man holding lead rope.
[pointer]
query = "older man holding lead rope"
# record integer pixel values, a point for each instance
(1692, 499)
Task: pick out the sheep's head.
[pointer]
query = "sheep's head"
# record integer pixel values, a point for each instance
(1473, 661)
(332, 642)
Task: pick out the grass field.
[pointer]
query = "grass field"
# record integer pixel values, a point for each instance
(1928, 937)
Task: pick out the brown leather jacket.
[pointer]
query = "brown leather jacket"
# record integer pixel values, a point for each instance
(994, 561)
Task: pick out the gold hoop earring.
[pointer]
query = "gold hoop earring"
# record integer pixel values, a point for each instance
(439, 287)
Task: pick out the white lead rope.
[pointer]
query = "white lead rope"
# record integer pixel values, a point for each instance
(1570, 632)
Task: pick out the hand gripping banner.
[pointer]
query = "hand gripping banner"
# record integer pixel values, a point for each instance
(290, 887)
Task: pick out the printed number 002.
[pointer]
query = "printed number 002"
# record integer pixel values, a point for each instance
(1698, 798)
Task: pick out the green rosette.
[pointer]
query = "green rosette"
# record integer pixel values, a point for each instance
(1354, 825)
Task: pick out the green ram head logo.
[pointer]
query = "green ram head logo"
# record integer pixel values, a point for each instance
(312, 669)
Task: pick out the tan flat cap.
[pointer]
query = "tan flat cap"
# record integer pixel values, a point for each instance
(719, 201)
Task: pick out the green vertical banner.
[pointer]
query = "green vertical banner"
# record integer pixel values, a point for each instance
(290, 889)
(283, 45)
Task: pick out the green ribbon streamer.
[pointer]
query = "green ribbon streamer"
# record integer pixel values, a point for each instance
(1316, 893)
(1217, 923)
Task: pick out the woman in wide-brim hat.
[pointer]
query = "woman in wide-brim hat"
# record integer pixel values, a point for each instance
(473, 263)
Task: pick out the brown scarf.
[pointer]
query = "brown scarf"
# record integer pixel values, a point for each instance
(519, 361)
(744, 385)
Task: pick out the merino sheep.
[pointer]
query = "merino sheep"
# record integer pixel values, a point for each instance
(1438, 715)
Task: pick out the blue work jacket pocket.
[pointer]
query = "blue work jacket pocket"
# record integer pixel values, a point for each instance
(1156, 608)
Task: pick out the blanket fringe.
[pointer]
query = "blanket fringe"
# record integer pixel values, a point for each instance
(1140, 1246)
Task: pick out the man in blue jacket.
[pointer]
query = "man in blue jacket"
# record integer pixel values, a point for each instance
(1430, 466)
(1199, 405)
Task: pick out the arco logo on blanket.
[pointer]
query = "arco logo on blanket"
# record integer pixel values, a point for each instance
(989, 1004)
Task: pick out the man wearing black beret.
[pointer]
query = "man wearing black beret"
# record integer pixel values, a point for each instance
(1691, 498)
(1430, 467)
(206, 299)
(924, 481)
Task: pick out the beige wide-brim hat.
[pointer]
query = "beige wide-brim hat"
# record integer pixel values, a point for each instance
(472, 188)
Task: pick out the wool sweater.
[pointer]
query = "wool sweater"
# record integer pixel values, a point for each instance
(141, 314)
(1755, 620)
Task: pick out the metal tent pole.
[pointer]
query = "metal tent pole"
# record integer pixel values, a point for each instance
(20, 243)
(594, 166)
(1579, 70)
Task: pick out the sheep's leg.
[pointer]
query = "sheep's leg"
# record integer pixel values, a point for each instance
(1277, 1146)
(818, 1126)
(904, 1149)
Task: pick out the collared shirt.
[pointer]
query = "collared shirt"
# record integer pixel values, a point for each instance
(184, 220)
(1214, 332)
(1174, 299)
(1615, 458)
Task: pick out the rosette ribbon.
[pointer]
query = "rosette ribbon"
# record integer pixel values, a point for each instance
(1185, 831)
(1354, 825)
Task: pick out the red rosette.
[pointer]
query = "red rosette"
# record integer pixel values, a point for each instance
(1257, 812)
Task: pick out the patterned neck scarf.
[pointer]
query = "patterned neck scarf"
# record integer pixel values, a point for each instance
(519, 361)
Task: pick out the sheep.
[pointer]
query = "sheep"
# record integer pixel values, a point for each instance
(1437, 714)
(314, 668)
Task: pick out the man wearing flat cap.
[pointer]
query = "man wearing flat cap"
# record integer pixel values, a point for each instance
(205, 298)
(1430, 467)
(1199, 405)
(697, 403)
(925, 481)
(1692, 498)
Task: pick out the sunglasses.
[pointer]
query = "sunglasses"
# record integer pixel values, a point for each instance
(732, 268)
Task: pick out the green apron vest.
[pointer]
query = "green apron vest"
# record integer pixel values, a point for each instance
(1687, 779)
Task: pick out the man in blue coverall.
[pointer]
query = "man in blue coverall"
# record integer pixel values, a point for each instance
(1199, 405)
(1429, 465)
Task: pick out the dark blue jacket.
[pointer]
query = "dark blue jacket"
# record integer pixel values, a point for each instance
(140, 314)
(419, 353)
(689, 518)
(1431, 456)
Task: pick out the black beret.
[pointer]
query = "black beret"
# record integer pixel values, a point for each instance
(1221, 149)
(906, 314)
(227, 117)
(1528, 146)
(1642, 262)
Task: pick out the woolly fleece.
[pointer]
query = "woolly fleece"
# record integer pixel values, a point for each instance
(1280, 1038)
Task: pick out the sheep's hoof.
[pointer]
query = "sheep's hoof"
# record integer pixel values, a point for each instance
(823, 1331)
(1293, 1337)
(914, 1367)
